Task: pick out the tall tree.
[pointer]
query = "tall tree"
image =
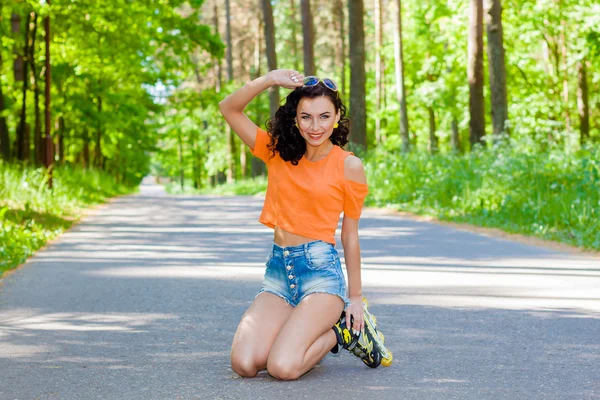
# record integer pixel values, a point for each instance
(583, 102)
(358, 105)
(4, 137)
(37, 130)
(98, 149)
(48, 146)
(433, 140)
(497, 69)
(228, 40)
(294, 35)
(271, 54)
(309, 37)
(339, 18)
(23, 130)
(231, 146)
(475, 73)
(217, 60)
(378, 68)
(400, 87)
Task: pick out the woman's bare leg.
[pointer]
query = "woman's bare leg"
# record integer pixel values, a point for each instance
(256, 333)
(306, 337)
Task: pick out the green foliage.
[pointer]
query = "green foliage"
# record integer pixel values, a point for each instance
(554, 195)
(31, 213)
(107, 59)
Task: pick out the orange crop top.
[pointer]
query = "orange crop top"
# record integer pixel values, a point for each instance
(307, 199)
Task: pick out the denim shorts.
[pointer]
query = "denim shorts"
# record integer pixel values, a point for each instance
(294, 272)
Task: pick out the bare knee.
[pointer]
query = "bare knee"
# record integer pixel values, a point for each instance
(283, 369)
(244, 366)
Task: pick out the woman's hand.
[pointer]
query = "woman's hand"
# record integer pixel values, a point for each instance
(287, 78)
(355, 309)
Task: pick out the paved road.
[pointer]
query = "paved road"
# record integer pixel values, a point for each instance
(141, 300)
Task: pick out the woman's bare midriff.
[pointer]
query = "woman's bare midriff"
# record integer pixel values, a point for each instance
(284, 239)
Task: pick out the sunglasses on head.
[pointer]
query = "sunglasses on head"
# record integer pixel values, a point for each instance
(314, 80)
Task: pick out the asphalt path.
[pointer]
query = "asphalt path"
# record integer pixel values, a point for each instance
(141, 300)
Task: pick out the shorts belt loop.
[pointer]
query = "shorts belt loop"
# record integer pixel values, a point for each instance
(305, 248)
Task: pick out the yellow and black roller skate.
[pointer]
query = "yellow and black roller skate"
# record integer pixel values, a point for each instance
(371, 325)
(368, 345)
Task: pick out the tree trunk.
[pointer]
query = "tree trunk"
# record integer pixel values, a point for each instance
(228, 41)
(21, 132)
(358, 133)
(181, 172)
(271, 55)
(255, 166)
(455, 138)
(497, 69)
(433, 140)
(308, 34)
(219, 73)
(400, 88)
(583, 102)
(378, 68)
(86, 149)
(98, 149)
(4, 136)
(340, 18)
(61, 140)
(38, 138)
(258, 49)
(228, 134)
(294, 38)
(475, 73)
(18, 63)
(48, 145)
(195, 160)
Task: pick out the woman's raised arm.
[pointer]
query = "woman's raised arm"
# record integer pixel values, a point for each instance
(232, 107)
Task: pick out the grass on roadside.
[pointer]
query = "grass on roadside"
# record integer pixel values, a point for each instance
(552, 195)
(31, 214)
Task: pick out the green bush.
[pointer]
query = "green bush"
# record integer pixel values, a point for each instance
(31, 213)
(553, 194)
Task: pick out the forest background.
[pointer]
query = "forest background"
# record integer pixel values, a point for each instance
(480, 111)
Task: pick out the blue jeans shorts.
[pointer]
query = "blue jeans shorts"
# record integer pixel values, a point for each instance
(294, 272)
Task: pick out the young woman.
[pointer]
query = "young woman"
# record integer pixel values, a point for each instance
(291, 325)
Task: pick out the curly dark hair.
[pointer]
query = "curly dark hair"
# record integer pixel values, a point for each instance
(285, 136)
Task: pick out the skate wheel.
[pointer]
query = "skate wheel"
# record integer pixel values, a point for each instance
(387, 361)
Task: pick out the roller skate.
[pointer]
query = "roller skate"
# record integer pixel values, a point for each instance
(371, 326)
(368, 345)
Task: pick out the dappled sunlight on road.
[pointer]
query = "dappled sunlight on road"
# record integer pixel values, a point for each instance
(82, 322)
(207, 238)
(152, 282)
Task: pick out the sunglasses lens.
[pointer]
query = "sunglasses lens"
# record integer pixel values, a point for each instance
(311, 81)
(330, 84)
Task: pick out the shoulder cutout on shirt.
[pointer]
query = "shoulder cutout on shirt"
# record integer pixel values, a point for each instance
(354, 169)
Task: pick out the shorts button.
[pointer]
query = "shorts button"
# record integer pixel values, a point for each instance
(292, 286)
(286, 253)
(291, 276)
(289, 267)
